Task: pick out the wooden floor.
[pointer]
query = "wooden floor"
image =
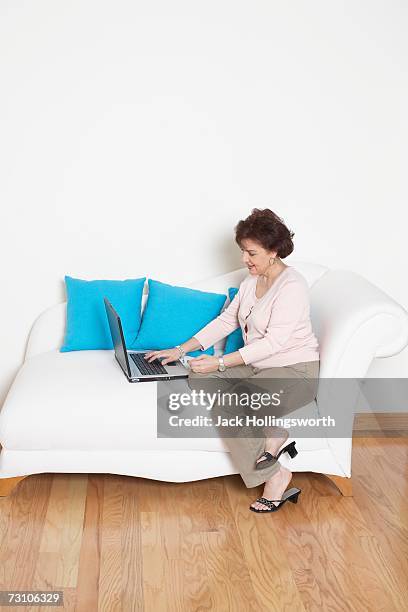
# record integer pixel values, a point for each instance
(120, 543)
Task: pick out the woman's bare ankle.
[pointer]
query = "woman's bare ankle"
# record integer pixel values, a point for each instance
(276, 440)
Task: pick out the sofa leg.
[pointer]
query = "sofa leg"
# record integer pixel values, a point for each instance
(343, 484)
(8, 484)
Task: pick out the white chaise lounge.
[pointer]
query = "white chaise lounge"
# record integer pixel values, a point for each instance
(76, 412)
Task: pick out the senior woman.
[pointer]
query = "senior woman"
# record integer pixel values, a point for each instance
(273, 310)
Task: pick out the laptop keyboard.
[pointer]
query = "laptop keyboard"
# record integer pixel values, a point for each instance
(154, 367)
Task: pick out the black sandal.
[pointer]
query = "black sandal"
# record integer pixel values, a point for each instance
(289, 495)
(271, 459)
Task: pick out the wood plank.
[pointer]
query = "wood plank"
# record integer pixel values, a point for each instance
(268, 564)
(385, 509)
(154, 562)
(58, 558)
(89, 562)
(110, 577)
(132, 560)
(306, 553)
(5, 525)
(22, 540)
(229, 579)
(192, 578)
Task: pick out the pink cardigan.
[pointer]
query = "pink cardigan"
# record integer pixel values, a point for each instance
(279, 330)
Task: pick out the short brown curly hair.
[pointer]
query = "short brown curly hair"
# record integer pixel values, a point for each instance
(265, 227)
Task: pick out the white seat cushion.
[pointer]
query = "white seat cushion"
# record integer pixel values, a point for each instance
(81, 400)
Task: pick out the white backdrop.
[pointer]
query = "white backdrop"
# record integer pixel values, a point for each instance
(134, 135)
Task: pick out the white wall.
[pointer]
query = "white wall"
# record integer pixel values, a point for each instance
(134, 135)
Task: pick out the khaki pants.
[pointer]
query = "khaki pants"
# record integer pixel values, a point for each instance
(299, 385)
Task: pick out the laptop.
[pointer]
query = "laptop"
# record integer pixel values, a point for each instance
(133, 364)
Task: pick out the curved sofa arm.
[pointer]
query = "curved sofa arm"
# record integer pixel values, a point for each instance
(355, 322)
(47, 331)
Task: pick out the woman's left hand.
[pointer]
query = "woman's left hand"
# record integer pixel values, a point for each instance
(204, 364)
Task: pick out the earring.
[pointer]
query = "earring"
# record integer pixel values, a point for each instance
(274, 259)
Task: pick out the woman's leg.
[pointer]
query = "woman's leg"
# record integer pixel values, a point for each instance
(299, 385)
(246, 447)
(244, 443)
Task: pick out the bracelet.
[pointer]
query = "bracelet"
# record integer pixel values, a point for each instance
(182, 351)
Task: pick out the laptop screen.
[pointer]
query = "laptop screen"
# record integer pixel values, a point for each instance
(117, 336)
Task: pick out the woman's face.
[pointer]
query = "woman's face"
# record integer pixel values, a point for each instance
(255, 257)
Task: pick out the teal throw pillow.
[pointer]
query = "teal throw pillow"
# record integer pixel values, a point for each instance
(87, 325)
(234, 340)
(174, 314)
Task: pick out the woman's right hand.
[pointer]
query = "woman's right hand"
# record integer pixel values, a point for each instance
(166, 355)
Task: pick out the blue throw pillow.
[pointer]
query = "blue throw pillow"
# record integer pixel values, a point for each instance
(173, 314)
(87, 325)
(234, 340)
